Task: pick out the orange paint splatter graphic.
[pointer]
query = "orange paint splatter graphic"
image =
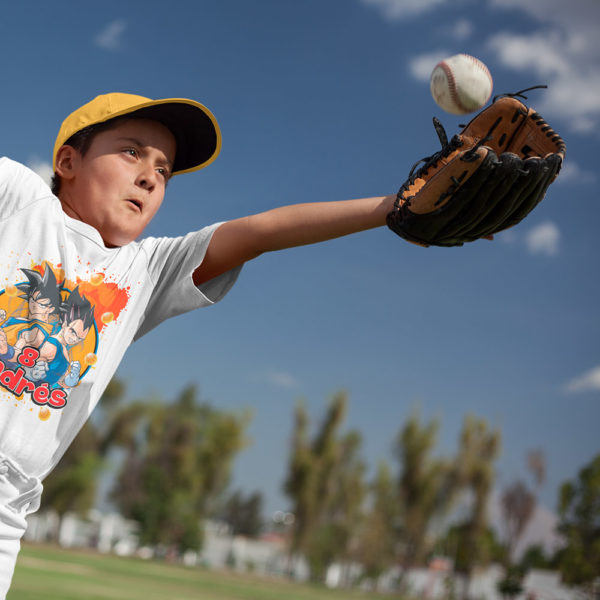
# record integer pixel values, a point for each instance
(107, 298)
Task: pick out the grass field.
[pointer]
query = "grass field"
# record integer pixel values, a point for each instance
(53, 573)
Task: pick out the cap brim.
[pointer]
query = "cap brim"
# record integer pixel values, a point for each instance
(195, 129)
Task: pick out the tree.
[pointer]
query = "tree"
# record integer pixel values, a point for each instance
(331, 538)
(243, 514)
(325, 484)
(579, 512)
(174, 474)
(534, 557)
(511, 584)
(518, 506)
(72, 485)
(378, 537)
(456, 542)
(426, 487)
(536, 462)
(478, 449)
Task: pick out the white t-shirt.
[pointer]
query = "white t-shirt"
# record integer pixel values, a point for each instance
(56, 276)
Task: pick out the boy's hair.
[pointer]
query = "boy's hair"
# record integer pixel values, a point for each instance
(82, 140)
(77, 307)
(46, 285)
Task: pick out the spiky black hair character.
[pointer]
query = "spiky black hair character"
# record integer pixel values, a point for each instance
(46, 285)
(77, 307)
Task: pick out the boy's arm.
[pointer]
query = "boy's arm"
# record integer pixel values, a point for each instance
(238, 241)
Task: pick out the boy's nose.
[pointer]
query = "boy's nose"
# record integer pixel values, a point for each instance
(147, 179)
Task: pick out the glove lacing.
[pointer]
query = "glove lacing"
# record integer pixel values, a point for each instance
(519, 94)
(430, 161)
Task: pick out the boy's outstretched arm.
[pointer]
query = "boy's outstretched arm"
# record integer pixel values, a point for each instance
(241, 240)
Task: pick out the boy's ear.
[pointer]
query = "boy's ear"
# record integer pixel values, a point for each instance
(67, 159)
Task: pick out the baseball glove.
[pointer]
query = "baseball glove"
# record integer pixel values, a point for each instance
(486, 179)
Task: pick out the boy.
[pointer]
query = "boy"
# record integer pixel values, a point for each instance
(113, 158)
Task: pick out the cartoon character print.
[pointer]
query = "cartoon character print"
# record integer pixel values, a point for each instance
(38, 318)
(54, 364)
(49, 335)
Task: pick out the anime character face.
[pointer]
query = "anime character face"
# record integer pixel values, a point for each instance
(77, 318)
(40, 308)
(74, 332)
(43, 294)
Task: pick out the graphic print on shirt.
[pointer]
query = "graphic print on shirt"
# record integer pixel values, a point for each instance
(49, 332)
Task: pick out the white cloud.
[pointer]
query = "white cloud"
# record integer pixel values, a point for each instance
(461, 30)
(42, 168)
(110, 37)
(396, 10)
(571, 172)
(587, 382)
(543, 239)
(560, 50)
(421, 66)
(576, 13)
(280, 379)
(541, 52)
(563, 53)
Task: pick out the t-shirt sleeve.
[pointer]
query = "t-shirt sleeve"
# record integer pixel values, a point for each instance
(19, 187)
(172, 262)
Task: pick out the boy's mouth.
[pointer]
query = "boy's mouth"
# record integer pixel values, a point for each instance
(137, 203)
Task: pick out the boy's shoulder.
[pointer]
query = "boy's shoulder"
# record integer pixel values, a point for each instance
(16, 173)
(20, 186)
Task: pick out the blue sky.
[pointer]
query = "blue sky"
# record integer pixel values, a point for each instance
(329, 101)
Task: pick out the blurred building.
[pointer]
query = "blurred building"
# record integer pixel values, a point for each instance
(268, 555)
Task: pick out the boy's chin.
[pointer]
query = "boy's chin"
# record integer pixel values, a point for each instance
(116, 239)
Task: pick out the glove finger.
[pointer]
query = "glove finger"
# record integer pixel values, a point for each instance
(542, 173)
(499, 198)
(479, 196)
(524, 185)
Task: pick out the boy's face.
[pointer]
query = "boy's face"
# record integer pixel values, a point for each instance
(119, 184)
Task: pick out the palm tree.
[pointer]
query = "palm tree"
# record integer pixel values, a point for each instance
(479, 448)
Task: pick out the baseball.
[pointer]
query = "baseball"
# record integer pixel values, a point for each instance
(461, 84)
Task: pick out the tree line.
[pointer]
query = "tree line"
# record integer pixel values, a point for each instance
(175, 465)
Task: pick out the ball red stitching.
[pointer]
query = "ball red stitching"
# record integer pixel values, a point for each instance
(452, 86)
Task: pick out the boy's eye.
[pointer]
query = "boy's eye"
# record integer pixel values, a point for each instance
(164, 172)
(130, 151)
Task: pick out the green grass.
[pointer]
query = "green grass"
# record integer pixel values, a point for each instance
(53, 573)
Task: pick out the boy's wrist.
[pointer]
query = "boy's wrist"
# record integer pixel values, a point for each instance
(387, 207)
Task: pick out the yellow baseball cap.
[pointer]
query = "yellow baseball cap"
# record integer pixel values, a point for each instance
(195, 128)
